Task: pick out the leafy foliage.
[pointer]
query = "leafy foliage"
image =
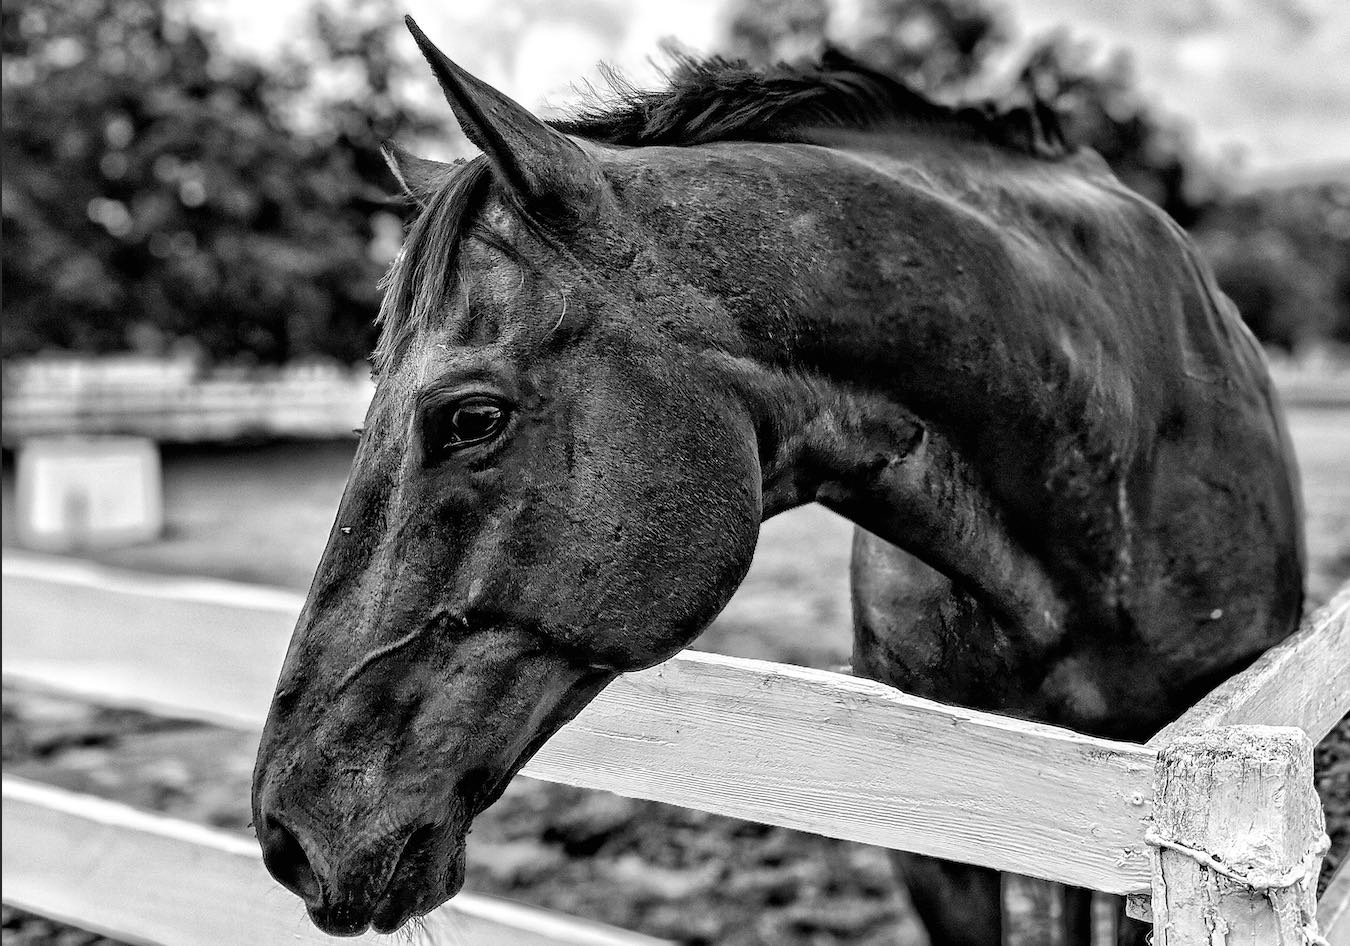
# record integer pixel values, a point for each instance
(159, 187)
(934, 45)
(764, 32)
(1284, 258)
(1102, 107)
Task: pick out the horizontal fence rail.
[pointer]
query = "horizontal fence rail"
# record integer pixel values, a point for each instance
(121, 872)
(170, 400)
(805, 749)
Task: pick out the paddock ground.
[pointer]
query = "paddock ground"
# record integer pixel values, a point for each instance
(261, 514)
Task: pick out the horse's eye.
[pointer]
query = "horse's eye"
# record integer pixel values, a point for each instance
(473, 420)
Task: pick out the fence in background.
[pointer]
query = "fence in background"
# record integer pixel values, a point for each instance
(806, 749)
(128, 874)
(1316, 384)
(171, 400)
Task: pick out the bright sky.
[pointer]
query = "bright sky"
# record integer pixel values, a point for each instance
(1269, 77)
(1255, 77)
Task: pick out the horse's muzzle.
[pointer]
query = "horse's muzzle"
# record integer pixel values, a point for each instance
(380, 884)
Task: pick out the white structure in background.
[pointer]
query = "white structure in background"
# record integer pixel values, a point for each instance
(172, 400)
(77, 493)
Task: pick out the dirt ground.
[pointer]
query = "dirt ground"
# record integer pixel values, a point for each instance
(262, 514)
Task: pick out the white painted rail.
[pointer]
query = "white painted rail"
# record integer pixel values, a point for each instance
(148, 879)
(805, 749)
(170, 400)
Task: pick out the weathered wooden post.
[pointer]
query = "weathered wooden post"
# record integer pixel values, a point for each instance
(1237, 839)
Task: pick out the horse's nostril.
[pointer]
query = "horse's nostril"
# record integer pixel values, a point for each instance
(285, 857)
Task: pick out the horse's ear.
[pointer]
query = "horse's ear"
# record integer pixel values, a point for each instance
(545, 171)
(420, 177)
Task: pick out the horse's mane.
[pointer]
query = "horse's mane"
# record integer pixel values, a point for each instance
(704, 101)
(707, 100)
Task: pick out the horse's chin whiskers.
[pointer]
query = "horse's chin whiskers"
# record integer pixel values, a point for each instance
(413, 931)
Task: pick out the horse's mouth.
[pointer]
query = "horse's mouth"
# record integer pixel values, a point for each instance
(423, 880)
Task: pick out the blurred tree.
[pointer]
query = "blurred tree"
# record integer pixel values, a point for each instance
(1100, 105)
(1283, 256)
(937, 46)
(765, 32)
(157, 186)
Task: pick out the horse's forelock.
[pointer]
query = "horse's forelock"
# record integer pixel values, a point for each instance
(424, 269)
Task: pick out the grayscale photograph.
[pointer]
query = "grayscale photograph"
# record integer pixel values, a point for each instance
(675, 472)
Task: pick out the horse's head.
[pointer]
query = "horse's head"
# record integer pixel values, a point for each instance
(554, 485)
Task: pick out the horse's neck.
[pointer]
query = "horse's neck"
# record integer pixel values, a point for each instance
(1010, 376)
(866, 456)
(898, 352)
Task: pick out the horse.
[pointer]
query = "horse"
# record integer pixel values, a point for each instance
(612, 346)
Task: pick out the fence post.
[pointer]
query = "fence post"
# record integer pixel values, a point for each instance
(1237, 839)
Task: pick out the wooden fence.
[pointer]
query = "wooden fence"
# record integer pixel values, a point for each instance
(172, 400)
(169, 400)
(805, 749)
(148, 879)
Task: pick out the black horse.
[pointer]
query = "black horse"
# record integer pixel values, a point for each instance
(612, 347)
